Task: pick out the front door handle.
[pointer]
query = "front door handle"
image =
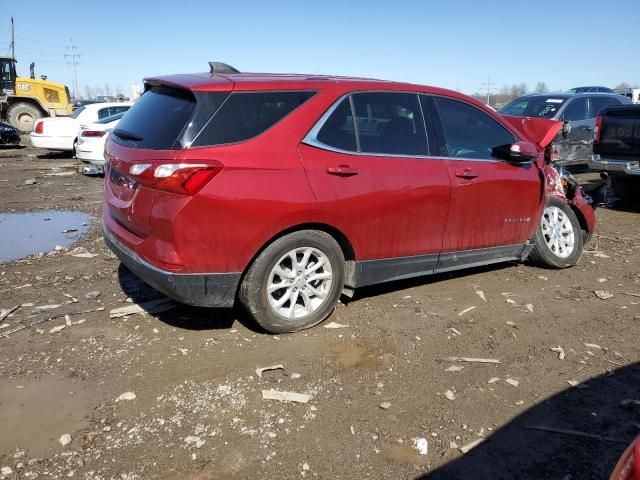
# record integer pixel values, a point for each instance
(467, 173)
(342, 171)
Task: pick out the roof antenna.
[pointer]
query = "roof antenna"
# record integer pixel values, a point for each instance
(219, 67)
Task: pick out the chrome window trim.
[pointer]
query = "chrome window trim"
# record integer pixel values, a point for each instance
(311, 138)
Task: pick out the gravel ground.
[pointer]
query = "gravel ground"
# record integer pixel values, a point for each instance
(176, 395)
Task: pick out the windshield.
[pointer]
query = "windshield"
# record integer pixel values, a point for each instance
(540, 107)
(111, 118)
(76, 113)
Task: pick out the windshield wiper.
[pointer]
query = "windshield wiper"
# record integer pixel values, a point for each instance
(127, 135)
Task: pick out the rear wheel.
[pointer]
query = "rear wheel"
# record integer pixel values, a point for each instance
(23, 116)
(558, 240)
(295, 282)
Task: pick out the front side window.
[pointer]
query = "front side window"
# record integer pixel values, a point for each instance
(390, 123)
(468, 131)
(576, 110)
(246, 115)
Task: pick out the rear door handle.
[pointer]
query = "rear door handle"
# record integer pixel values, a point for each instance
(342, 171)
(467, 173)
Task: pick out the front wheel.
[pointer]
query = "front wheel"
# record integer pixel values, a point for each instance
(295, 282)
(558, 240)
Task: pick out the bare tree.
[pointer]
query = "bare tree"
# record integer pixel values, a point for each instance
(541, 87)
(623, 86)
(88, 92)
(107, 89)
(119, 90)
(97, 90)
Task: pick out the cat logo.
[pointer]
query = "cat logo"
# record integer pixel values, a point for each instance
(25, 87)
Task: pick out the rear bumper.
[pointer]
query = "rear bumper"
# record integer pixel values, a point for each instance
(197, 289)
(51, 143)
(596, 162)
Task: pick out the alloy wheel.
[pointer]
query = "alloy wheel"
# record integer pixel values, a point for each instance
(558, 232)
(299, 282)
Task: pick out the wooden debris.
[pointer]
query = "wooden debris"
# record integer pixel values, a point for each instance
(264, 369)
(466, 310)
(4, 313)
(153, 306)
(285, 396)
(472, 360)
(575, 433)
(470, 446)
(560, 351)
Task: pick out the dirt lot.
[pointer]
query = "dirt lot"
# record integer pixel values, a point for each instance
(198, 411)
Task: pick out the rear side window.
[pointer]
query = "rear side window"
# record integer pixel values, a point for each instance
(390, 123)
(468, 131)
(598, 103)
(157, 119)
(576, 110)
(338, 131)
(246, 115)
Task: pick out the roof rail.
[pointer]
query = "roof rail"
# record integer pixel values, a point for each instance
(219, 67)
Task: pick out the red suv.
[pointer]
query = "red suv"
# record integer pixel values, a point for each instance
(286, 191)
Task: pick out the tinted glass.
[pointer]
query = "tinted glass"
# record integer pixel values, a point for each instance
(598, 103)
(156, 119)
(468, 131)
(338, 130)
(104, 113)
(111, 118)
(390, 123)
(576, 110)
(247, 115)
(77, 112)
(541, 107)
(116, 110)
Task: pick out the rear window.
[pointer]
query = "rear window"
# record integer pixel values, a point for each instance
(246, 115)
(111, 118)
(540, 107)
(157, 119)
(620, 132)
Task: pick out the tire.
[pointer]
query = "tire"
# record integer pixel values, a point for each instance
(23, 116)
(626, 189)
(567, 251)
(315, 298)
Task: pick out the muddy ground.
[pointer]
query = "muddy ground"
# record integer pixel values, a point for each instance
(198, 411)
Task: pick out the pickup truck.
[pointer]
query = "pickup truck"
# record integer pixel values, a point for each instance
(616, 149)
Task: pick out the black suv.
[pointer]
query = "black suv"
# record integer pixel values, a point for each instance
(577, 111)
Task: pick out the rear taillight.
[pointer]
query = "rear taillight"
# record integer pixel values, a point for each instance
(628, 467)
(186, 178)
(93, 133)
(39, 128)
(597, 131)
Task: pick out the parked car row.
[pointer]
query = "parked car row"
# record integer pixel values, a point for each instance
(61, 133)
(578, 112)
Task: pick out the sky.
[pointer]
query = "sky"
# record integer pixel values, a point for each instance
(456, 44)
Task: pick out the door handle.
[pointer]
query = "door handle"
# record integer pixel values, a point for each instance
(587, 129)
(467, 173)
(342, 171)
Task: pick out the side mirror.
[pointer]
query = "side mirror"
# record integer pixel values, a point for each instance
(520, 152)
(566, 129)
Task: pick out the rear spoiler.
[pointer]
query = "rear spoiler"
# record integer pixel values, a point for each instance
(539, 131)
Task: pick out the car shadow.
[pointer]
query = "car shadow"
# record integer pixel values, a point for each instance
(183, 316)
(55, 155)
(12, 147)
(596, 407)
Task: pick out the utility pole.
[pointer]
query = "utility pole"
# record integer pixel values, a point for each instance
(489, 84)
(13, 39)
(72, 60)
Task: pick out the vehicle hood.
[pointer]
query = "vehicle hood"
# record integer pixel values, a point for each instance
(539, 131)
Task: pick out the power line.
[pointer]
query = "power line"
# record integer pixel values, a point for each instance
(72, 60)
(489, 86)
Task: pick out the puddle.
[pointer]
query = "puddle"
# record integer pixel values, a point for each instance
(367, 355)
(37, 412)
(25, 234)
(404, 453)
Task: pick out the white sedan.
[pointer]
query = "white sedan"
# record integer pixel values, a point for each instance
(61, 133)
(92, 137)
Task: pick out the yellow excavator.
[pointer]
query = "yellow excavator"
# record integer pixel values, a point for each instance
(25, 100)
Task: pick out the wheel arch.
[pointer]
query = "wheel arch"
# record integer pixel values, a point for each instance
(339, 236)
